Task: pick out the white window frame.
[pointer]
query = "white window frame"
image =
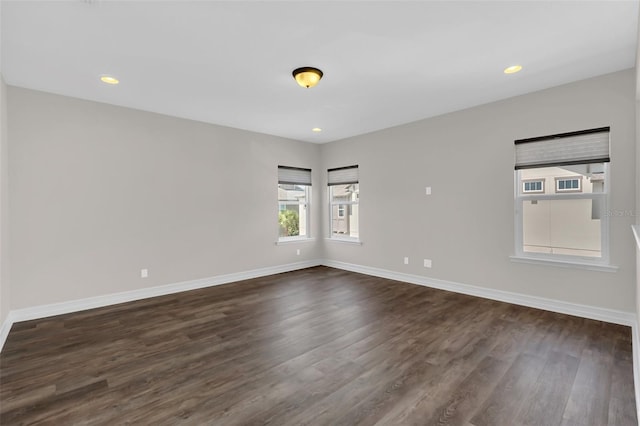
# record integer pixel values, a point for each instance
(296, 180)
(339, 176)
(337, 204)
(533, 191)
(521, 198)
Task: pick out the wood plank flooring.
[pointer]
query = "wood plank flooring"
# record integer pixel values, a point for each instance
(318, 346)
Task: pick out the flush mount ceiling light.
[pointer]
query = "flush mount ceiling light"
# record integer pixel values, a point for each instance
(316, 130)
(307, 76)
(512, 69)
(109, 79)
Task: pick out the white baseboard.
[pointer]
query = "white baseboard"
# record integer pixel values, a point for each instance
(5, 329)
(592, 312)
(584, 311)
(44, 311)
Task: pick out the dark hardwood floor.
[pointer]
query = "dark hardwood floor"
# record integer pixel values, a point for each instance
(319, 347)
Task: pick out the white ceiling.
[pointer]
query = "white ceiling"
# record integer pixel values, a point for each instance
(385, 63)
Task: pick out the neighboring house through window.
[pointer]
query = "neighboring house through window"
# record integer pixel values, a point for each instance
(566, 223)
(294, 192)
(344, 194)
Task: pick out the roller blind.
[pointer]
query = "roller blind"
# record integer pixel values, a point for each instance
(294, 175)
(586, 146)
(343, 175)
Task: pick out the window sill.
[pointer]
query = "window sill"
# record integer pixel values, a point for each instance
(564, 264)
(294, 241)
(352, 241)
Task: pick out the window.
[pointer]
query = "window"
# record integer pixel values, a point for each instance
(344, 193)
(294, 191)
(568, 224)
(564, 184)
(533, 186)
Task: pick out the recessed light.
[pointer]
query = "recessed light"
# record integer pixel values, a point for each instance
(109, 79)
(316, 129)
(512, 69)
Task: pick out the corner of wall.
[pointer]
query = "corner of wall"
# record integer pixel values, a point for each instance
(5, 290)
(5, 328)
(635, 332)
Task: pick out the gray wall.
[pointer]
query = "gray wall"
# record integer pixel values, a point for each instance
(98, 192)
(467, 225)
(5, 295)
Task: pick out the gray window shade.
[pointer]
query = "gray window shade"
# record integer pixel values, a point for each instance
(294, 175)
(343, 175)
(587, 146)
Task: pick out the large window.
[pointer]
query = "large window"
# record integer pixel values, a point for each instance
(567, 222)
(294, 192)
(344, 193)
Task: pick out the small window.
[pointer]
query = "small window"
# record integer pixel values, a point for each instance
(570, 184)
(344, 197)
(294, 191)
(533, 186)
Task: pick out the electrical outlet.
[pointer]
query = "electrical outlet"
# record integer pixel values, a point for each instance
(144, 273)
(428, 190)
(406, 260)
(298, 252)
(427, 263)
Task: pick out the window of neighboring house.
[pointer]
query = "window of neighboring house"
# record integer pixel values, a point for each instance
(564, 184)
(533, 186)
(344, 194)
(569, 224)
(294, 192)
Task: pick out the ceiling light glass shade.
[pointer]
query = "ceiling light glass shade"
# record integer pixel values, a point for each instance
(307, 76)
